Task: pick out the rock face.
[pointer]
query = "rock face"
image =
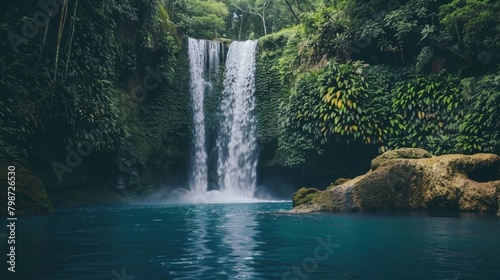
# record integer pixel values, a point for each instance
(31, 197)
(412, 179)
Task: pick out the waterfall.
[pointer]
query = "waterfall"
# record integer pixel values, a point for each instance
(203, 54)
(237, 143)
(214, 51)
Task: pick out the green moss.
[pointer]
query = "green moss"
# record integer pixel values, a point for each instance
(278, 63)
(271, 88)
(268, 96)
(164, 117)
(304, 195)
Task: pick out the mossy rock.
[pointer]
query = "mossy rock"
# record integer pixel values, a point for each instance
(406, 153)
(389, 188)
(338, 182)
(31, 197)
(451, 182)
(304, 195)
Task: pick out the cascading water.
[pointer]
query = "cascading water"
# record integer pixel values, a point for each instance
(214, 51)
(236, 142)
(237, 146)
(201, 53)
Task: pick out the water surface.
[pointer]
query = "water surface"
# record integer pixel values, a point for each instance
(253, 241)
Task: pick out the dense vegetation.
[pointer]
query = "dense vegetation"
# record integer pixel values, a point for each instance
(112, 74)
(331, 74)
(387, 74)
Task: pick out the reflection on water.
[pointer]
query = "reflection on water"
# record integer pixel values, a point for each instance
(240, 231)
(193, 261)
(218, 242)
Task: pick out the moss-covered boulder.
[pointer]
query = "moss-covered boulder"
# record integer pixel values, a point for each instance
(409, 153)
(304, 195)
(451, 182)
(31, 197)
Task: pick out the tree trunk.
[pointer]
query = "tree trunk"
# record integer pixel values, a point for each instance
(173, 11)
(291, 10)
(241, 25)
(64, 10)
(71, 39)
(45, 33)
(263, 17)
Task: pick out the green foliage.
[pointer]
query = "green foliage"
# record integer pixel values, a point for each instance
(407, 33)
(199, 18)
(31, 197)
(337, 104)
(479, 129)
(282, 57)
(329, 33)
(326, 103)
(162, 118)
(440, 92)
(47, 104)
(394, 107)
(444, 114)
(295, 150)
(376, 105)
(87, 97)
(262, 17)
(298, 134)
(409, 18)
(268, 95)
(158, 25)
(286, 52)
(430, 107)
(474, 21)
(381, 81)
(304, 195)
(22, 89)
(125, 9)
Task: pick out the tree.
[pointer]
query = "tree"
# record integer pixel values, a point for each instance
(199, 18)
(258, 8)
